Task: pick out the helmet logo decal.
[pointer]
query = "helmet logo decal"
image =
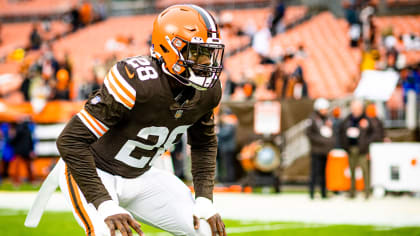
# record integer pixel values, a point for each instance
(178, 43)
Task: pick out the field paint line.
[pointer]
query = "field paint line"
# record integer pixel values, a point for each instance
(11, 213)
(256, 228)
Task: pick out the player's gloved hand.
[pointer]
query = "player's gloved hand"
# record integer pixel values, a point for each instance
(204, 209)
(118, 218)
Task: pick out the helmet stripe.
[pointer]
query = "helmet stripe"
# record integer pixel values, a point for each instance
(208, 19)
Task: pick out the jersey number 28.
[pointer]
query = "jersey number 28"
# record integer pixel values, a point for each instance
(164, 142)
(144, 70)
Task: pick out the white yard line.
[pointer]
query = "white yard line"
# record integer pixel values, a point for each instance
(389, 211)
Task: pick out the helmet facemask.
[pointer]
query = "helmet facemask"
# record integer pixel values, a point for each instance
(199, 64)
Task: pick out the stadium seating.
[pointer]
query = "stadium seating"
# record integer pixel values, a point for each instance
(34, 8)
(259, 16)
(89, 44)
(16, 35)
(331, 66)
(162, 4)
(400, 25)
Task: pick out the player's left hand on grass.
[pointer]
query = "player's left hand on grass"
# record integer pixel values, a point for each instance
(117, 218)
(204, 209)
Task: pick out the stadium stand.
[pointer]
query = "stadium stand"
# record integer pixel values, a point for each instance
(111, 37)
(400, 25)
(34, 8)
(161, 4)
(16, 35)
(322, 78)
(258, 17)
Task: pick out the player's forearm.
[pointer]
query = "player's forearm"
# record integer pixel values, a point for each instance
(73, 145)
(203, 169)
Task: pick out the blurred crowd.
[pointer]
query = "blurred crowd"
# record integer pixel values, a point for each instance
(386, 52)
(285, 77)
(48, 74)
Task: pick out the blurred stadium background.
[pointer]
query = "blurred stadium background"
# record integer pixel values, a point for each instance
(280, 56)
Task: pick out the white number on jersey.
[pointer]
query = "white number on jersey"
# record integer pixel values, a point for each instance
(143, 68)
(124, 155)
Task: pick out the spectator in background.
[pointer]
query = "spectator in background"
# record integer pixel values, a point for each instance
(87, 87)
(356, 133)
(277, 81)
(322, 139)
(86, 13)
(23, 147)
(75, 18)
(352, 17)
(226, 146)
(100, 10)
(2, 144)
(368, 27)
(301, 53)
(261, 45)
(1, 37)
(378, 126)
(276, 23)
(336, 116)
(35, 39)
(7, 150)
(62, 88)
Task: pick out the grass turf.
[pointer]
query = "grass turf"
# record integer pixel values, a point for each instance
(63, 223)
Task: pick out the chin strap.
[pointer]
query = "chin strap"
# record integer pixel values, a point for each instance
(173, 76)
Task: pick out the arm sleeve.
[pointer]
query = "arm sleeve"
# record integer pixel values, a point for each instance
(103, 109)
(203, 141)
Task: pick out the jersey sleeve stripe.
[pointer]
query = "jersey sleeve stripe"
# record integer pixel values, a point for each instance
(88, 125)
(95, 121)
(113, 91)
(93, 124)
(118, 86)
(128, 90)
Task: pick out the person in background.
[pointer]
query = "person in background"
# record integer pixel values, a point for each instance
(1, 37)
(278, 15)
(277, 81)
(22, 142)
(377, 124)
(62, 87)
(336, 119)
(86, 13)
(356, 133)
(226, 146)
(7, 150)
(321, 137)
(75, 18)
(35, 38)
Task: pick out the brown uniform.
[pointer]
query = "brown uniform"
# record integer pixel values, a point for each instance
(134, 118)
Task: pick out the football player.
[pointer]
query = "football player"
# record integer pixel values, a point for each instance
(143, 108)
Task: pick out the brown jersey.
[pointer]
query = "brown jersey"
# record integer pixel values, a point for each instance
(131, 120)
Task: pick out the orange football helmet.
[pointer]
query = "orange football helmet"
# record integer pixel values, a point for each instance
(186, 40)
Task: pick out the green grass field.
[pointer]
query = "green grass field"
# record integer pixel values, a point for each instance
(63, 223)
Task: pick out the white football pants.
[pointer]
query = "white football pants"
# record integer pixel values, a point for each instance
(157, 198)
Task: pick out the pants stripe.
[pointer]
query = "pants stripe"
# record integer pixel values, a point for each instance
(78, 205)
